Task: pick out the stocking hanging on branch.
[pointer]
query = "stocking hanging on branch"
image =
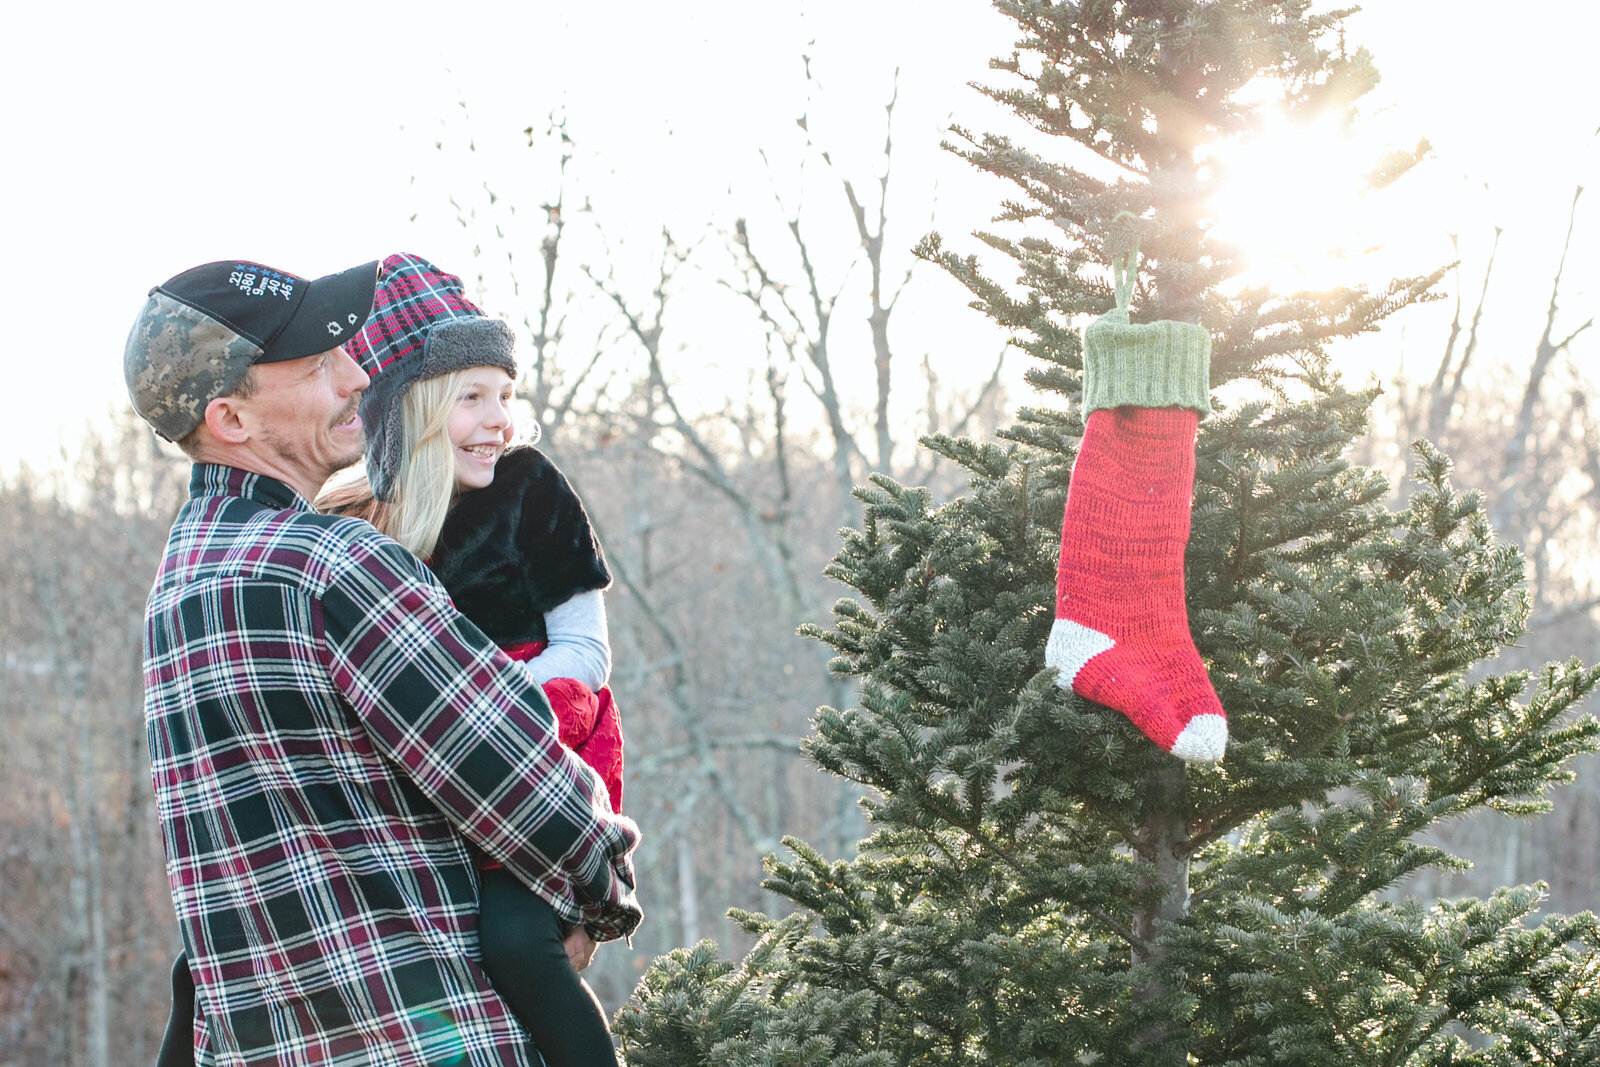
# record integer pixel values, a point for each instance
(1121, 635)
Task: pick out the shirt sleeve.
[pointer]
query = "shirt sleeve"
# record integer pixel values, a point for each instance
(474, 733)
(579, 645)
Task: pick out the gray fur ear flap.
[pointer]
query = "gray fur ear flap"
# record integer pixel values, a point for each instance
(464, 343)
(380, 412)
(383, 462)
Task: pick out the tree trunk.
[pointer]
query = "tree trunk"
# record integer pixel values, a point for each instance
(1163, 833)
(688, 891)
(1163, 838)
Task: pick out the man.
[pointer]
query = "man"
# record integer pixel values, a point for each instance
(327, 733)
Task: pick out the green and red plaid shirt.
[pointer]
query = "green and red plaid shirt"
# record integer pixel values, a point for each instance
(327, 735)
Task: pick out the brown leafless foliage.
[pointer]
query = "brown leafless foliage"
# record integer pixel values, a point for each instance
(86, 931)
(1521, 428)
(794, 294)
(717, 516)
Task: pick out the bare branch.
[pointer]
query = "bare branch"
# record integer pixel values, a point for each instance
(923, 470)
(1445, 397)
(1516, 450)
(678, 699)
(664, 758)
(1590, 440)
(765, 526)
(776, 381)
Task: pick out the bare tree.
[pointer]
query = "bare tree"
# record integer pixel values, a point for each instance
(1524, 433)
(719, 507)
(794, 295)
(88, 929)
(1511, 499)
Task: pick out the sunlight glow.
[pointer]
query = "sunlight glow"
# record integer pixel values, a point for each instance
(1295, 200)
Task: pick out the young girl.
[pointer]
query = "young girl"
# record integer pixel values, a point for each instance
(508, 538)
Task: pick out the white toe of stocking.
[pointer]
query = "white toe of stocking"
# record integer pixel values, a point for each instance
(1203, 740)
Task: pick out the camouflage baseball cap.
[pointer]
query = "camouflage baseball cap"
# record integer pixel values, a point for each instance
(200, 332)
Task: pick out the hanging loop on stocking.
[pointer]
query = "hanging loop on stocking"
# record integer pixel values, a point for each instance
(1125, 268)
(1141, 364)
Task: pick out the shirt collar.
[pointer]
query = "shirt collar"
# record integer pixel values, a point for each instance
(215, 479)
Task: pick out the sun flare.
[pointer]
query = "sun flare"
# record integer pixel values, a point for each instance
(1295, 199)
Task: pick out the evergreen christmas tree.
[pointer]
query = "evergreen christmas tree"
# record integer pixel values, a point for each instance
(1045, 885)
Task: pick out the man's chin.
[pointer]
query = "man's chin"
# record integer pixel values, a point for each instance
(350, 460)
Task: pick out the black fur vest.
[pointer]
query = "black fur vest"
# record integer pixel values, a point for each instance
(511, 551)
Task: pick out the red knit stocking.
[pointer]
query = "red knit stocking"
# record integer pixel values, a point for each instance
(1121, 636)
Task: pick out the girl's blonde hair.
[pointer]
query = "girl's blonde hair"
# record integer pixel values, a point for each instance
(425, 482)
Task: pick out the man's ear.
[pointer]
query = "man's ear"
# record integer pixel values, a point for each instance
(223, 419)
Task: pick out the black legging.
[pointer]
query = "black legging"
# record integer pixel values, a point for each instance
(525, 958)
(177, 1044)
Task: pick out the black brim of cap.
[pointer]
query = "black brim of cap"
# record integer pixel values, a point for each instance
(333, 311)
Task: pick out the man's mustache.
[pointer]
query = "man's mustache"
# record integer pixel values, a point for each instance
(355, 406)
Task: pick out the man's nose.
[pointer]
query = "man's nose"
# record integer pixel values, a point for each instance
(351, 375)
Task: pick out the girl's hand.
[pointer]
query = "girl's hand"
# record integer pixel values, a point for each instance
(580, 948)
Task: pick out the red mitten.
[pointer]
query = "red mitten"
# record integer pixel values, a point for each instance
(576, 709)
(603, 749)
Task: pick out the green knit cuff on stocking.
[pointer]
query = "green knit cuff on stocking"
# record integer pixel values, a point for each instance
(1145, 365)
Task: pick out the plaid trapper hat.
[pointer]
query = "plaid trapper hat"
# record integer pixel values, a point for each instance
(422, 326)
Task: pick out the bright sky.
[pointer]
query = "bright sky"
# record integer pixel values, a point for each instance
(145, 138)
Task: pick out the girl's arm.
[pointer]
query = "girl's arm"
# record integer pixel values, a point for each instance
(579, 642)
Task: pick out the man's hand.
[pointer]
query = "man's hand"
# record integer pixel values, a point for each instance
(580, 948)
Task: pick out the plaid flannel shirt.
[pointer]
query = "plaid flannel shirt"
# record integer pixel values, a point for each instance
(327, 733)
